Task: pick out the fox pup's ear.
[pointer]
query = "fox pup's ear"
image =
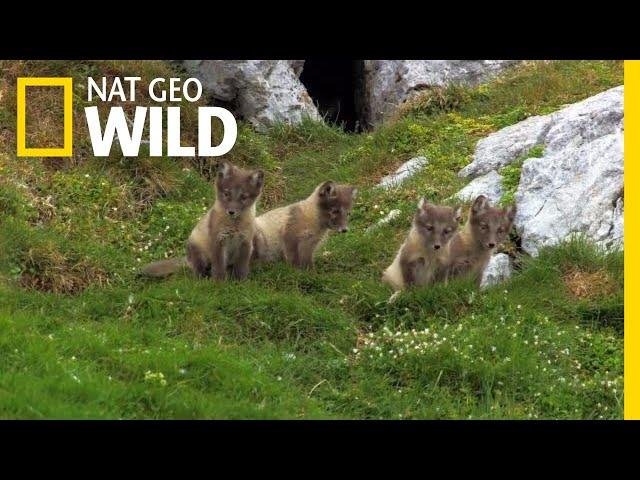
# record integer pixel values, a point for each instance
(457, 214)
(257, 179)
(328, 189)
(511, 213)
(422, 203)
(479, 204)
(224, 169)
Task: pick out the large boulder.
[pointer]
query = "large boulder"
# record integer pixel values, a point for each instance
(576, 187)
(389, 83)
(576, 190)
(262, 92)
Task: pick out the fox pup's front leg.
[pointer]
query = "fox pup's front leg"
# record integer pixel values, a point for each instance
(219, 267)
(240, 268)
(291, 249)
(198, 261)
(305, 253)
(410, 270)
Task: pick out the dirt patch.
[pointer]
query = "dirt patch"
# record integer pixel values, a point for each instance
(588, 285)
(51, 272)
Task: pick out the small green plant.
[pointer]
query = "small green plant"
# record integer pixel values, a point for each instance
(511, 175)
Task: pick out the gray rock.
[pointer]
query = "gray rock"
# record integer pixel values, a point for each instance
(501, 148)
(406, 170)
(570, 127)
(389, 83)
(262, 92)
(572, 191)
(489, 184)
(392, 215)
(498, 270)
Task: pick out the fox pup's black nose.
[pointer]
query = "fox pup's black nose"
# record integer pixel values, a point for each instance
(491, 245)
(343, 229)
(436, 247)
(231, 212)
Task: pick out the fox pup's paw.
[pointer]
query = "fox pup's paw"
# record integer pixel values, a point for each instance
(393, 297)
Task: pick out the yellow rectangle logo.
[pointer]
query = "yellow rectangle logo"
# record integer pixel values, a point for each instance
(67, 84)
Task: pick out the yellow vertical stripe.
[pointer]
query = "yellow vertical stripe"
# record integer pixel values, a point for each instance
(631, 237)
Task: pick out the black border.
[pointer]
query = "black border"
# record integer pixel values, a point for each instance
(243, 31)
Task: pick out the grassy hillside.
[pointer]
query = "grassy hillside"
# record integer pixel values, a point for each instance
(82, 337)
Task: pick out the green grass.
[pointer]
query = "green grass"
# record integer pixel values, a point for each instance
(287, 343)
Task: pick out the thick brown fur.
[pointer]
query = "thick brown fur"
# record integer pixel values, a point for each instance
(222, 241)
(425, 248)
(471, 248)
(294, 232)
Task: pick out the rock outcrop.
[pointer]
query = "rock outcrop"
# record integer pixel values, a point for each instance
(262, 92)
(389, 83)
(576, 187)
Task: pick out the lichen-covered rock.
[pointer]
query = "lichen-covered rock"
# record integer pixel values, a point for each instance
(389, 83)
(262, 92)
(497, 270)
(489, 185)
(405, 171)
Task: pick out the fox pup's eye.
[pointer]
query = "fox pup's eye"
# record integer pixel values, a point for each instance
(484, 226)
(429, 228)
(244, 196)
(335, 211)
(227, 194)
(447, 230)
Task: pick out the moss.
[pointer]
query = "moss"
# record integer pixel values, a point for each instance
(511, 175)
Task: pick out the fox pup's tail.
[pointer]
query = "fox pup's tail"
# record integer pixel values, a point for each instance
(164, 268)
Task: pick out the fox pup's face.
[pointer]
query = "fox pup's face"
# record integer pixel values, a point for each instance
(336, 202)
(238, 189)
(490, 226)
(436, 225)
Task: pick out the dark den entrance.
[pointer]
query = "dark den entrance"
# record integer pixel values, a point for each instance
(336, 87)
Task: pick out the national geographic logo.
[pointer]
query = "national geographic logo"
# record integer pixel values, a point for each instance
(129, 134)
(67, 85)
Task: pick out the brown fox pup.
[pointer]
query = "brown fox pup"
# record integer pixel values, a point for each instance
(222, 241)
(293, 233)
(471, 248)
(425, 248)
